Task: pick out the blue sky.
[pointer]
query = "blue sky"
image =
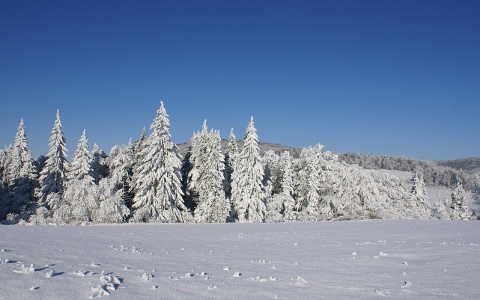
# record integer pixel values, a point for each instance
(376, 77)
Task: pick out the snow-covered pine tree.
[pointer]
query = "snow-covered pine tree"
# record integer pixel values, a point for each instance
(158, 189)
(248, 193)
(99, 163)
(112, 208)
(5, 156)
(206, 177)
(197, 155)
(458, 203)
(81, 167)
(120, 163)
(53, 175)
(281, 203)
(230, 155)
(81, 194)
(272, 178)
(287, 191)
(312, 184)
(138, 146)
(22, 175)
(417, 202)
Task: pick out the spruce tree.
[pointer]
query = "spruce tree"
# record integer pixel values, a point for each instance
(287, 187)
(206, 176)
(81, 194)
(247, 188)
(22, 175)
(158, 189)
(81, 167)
(417, 202)
(312, 185)
(5, 156)
(53, 175)
(99, 163)
(230, 156)
(458, 202)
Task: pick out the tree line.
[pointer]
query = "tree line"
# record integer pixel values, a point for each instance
(149, 181)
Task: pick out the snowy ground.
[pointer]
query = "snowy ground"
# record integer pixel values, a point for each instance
(406, 259)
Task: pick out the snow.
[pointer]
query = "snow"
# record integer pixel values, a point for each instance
(434, 193)
(398, 259)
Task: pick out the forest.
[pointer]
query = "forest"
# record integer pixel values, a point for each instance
(149, 180)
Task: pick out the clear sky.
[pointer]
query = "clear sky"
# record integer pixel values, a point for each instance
(376, 77)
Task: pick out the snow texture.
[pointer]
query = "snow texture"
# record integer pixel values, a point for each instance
(397, 259)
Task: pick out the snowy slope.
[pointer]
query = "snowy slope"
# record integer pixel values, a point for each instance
(407, 259)
(434, 193)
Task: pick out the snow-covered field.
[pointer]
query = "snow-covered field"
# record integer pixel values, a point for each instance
(396, 259)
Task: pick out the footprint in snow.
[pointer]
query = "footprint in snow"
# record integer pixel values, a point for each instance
(146, 277)
(52, 273)
(26, 270)
(258, 278)
(382, 293)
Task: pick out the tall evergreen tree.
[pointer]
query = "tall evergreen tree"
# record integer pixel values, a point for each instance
(287, 187)
(22, 175)
(230, 156)
(5, 156)
(81, 194)
(158, 190)
(99, 163)
(53, 175)
(81, 167)
(312, 185)
(458, 203)
(206, 176)
(248, 192)
(417, 202)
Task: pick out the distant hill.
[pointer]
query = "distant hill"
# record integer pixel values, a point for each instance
(470, 165)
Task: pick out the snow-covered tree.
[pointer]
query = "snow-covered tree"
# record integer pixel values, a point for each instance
(5, 156)
(458, 203)
(272, 178)
(248, 193)
(22, 175)
(157, 186)
(287, 191)
(112, 208)
(80, 198)
(81, 167)
(230, 156)
(53, 175)
(311, 185)
(206, 177)
(417, 202)
(99, 163)
(120, 163)
(21, 162)
(281, 205)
